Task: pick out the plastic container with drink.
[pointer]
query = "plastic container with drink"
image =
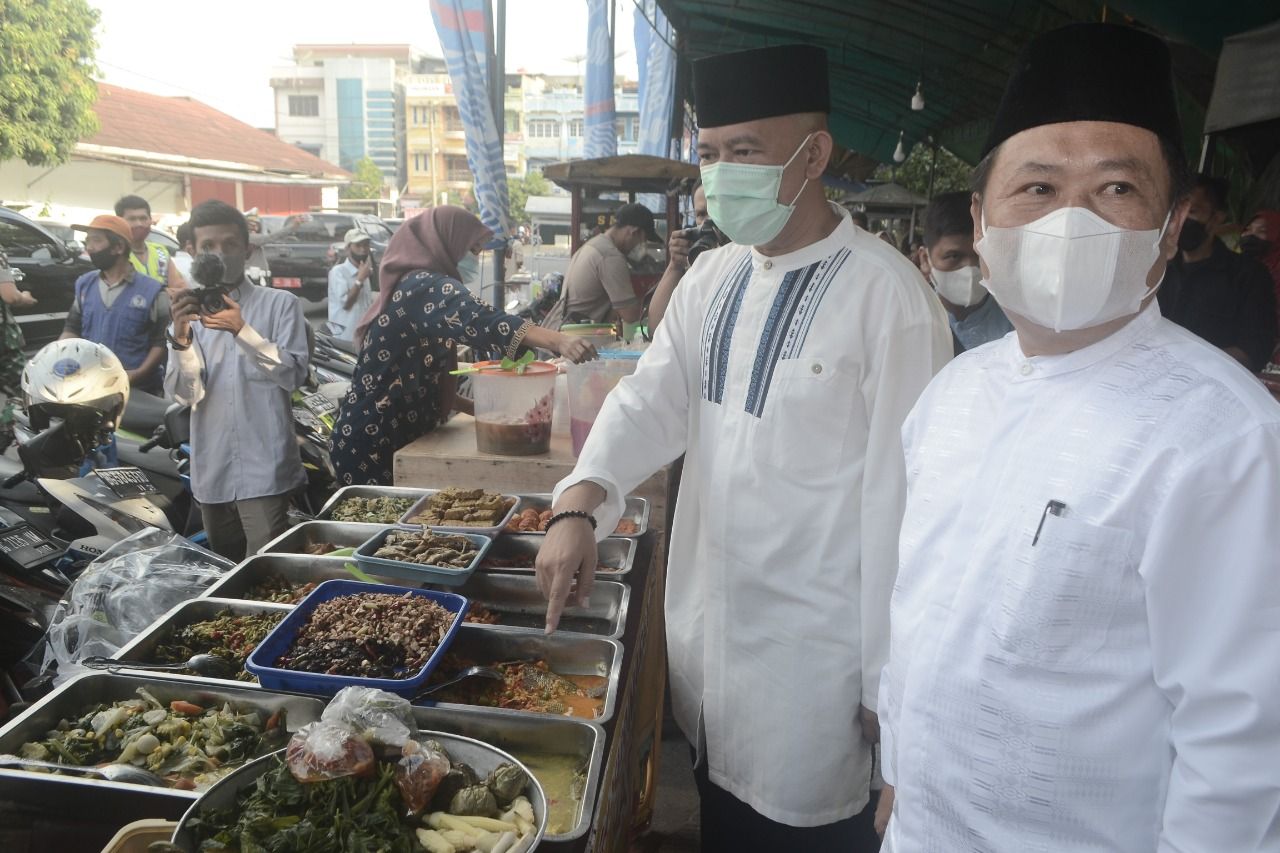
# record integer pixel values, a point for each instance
(589, 383)
(513, 409)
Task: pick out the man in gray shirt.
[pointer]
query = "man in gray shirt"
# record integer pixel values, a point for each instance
(237, 368)
(598, 283)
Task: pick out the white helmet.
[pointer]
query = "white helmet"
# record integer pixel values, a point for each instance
(71, 377)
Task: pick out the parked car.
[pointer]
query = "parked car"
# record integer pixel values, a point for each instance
(49, 272)
(63, 232)
(301, 253)
(161, 238)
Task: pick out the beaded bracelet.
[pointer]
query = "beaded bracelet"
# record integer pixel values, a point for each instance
(573, 513)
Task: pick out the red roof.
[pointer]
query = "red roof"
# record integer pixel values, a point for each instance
(188, 128)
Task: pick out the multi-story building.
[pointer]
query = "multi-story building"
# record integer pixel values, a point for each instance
(338, 101)
(554, 127)
(435, 167)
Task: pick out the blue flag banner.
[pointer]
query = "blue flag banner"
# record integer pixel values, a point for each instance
(598, 108)
(463, 27)
(656, 62)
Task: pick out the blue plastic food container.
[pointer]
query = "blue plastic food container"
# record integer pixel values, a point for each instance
(446, 575)
(262, 661)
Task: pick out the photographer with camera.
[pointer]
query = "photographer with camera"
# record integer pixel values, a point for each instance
(683, 248)
(239, 351)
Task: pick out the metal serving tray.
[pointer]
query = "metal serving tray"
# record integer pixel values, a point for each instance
(367, 492)
(407, 519)
(344, 534)
(297, 568)
(518, 595)
(142, 648)
(616, 554)
(504, 593)
(637, 510)
(566, 654)
(76, 793)
(530, 734)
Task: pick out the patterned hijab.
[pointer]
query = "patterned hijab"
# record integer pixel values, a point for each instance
(434, 240)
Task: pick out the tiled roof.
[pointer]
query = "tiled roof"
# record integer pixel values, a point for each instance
(188, 128)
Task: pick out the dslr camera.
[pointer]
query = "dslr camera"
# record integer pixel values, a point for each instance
(207, 269)
(708, 236)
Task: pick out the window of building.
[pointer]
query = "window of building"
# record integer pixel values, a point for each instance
(304, 105)
(575, 127)
(544, 128)
(628, 128)
(456, 168)
(310, 149)
(452, 119)
(420, 117)
(512, 121)
(422, 163)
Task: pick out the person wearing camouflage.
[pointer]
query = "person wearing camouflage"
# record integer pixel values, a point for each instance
(12, 359)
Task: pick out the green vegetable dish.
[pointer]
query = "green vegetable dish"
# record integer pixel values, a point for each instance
(186, 744)
(372, 510)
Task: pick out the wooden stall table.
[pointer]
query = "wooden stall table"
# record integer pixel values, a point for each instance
(447, 457)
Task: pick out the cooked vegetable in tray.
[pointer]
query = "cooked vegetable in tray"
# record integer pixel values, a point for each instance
(228, 635)
(463, 508)
(188, 745)
(526, 686)
(371, 635)
(372, 510)
(335, 790)
(427, 549)
(278, 589)
(535, 521)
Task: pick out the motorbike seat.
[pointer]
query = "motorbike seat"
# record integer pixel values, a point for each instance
(144, 413)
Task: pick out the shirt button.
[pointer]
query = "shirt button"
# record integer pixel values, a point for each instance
(768, 265)
(1026, 368)
(817, 368)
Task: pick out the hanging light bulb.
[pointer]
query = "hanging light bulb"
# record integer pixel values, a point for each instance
(899, 153)
(917, 100)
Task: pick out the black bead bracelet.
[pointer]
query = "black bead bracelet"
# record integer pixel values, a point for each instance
(573, 513)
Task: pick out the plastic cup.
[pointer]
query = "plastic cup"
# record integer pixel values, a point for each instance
(589, 385)
(514, 410)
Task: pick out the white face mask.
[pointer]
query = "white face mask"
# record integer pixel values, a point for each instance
(962, 287)
(1070, 269)
(638, 254)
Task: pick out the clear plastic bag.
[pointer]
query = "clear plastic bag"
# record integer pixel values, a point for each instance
(419, 772)
(328, 750)
(379, 716)
(122, 592)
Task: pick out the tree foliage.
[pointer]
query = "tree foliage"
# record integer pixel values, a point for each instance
(952, 175)
(46, 79)
(366, 183)
(519, 190)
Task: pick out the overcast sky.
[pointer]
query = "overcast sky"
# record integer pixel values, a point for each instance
(223, 53)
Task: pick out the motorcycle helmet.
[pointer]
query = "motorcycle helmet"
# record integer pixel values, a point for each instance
(77, 381)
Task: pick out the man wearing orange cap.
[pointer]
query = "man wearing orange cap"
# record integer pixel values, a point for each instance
(119, 307)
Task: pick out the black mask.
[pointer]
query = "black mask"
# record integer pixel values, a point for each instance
(1254, 246)
(359, 259)
(1193, 235)
(104, 259)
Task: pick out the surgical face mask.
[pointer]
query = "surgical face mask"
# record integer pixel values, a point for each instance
(104, 259)
(742, 199)
(469, 269)
(1070, 269)
(638, 254)
(1193, 235)
(962, 287)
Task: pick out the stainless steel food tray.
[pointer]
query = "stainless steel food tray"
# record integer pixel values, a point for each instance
(367, 492)
(344, 534)
(299, 568)
(520, 594)
(142, 648)
(616, 553)
(530, 734)
(407, 518)
(512, 593)
(75, 793)
(566, 654)
(637, 510)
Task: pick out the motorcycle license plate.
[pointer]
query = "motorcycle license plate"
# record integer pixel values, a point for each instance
(27, 546)
(127, 482)
(286, 281)
(319, 405)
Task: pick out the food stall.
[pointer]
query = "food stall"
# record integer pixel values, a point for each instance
(630, 175)
(587, 734)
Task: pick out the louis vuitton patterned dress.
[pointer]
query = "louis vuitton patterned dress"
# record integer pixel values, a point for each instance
(396, 393)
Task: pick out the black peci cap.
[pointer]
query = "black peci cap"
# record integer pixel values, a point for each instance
(753, 84)
(639, 216)
(1090, 72)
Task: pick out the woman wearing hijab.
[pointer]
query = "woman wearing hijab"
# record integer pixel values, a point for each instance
(402, 388)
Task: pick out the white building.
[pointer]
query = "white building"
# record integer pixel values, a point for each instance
(554, 127)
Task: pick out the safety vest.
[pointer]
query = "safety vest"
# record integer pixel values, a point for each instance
(156, 265)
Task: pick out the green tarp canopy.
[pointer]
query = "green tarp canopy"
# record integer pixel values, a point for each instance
(959, 51)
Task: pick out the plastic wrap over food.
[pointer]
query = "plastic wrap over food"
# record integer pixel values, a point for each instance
(379, 716)
(421, 769)
(328, 750)
(122, 592)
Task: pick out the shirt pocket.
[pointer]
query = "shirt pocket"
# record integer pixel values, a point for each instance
(805, 425)
(1059, 598)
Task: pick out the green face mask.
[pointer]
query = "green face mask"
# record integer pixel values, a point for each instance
(742, 199)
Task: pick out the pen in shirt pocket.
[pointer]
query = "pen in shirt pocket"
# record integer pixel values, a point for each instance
(1054, 508)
